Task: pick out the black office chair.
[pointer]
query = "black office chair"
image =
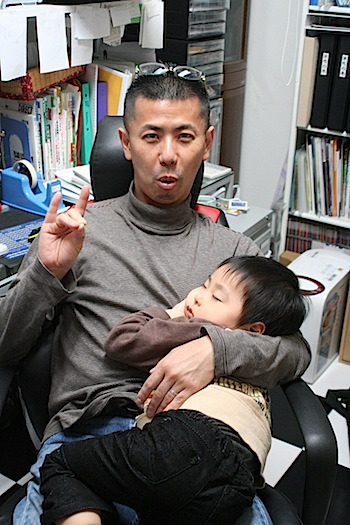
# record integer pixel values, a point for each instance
(32, 377)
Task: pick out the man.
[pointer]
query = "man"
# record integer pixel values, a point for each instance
(144, 248)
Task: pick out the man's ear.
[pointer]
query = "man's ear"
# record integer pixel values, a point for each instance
(209, 137)
(258, 327)
(124, 139)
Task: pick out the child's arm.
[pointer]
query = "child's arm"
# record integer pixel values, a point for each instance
(86, 517)
(141, 339)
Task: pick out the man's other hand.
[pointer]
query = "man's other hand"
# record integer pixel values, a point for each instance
(185, 370)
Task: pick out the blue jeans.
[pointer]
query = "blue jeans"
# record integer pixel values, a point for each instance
(28, 511)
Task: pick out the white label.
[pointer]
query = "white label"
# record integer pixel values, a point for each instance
(343, 66)
(324, 64)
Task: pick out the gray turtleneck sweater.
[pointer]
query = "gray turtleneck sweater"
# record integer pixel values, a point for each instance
(134, 256)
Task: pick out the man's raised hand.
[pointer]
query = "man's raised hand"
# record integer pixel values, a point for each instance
(62, 235)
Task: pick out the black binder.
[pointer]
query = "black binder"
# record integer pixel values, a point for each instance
(323, 81)
(337, 111)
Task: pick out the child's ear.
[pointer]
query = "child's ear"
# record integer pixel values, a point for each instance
(259, 327)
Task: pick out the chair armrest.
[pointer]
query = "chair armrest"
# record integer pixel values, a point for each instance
(320, 450)
(7, 373)
(279, 507)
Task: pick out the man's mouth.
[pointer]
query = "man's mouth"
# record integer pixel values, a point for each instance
(167, 181)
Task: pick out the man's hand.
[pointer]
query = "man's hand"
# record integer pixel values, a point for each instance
(185, 370)
(61, 236)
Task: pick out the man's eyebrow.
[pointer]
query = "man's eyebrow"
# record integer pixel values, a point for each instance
(178, 128)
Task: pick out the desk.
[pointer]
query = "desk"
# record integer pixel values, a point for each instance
(255, 223)
(15, 226)
(209, 186)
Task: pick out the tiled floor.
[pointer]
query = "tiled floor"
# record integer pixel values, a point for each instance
(14, 467)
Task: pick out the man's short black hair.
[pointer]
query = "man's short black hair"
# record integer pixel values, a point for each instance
(166, 87)
(271, 294)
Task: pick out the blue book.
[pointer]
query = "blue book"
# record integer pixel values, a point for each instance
(86, 136)
(102, 100)
(15, 141)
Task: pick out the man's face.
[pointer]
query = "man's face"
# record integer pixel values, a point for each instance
(167, 141)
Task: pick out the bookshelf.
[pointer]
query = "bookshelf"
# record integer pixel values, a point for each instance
(317, 184)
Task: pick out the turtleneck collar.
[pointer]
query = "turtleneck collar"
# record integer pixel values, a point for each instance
(158, 220)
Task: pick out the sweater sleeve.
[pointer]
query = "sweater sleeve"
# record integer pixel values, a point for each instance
(141, 339)
(27, 305)
(259, 359)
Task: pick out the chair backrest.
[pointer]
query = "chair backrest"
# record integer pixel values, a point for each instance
(111, 173)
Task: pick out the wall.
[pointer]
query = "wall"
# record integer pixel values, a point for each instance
(275, 30)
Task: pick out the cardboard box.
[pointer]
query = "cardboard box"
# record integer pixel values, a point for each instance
(287, 257)
(344, 351)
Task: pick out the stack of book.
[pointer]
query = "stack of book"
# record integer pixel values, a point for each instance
(56, 131)
(321, 179)
(72, 180)
(43, 131)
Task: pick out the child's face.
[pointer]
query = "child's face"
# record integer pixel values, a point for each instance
(219, 300)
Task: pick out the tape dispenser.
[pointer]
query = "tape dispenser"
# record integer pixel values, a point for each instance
(23, 189)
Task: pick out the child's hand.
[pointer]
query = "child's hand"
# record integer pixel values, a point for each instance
(177, 311)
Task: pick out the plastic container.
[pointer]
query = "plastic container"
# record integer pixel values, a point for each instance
(206, 17)
(205, 58)
(214, 84)
(197, 30)
(209, 4)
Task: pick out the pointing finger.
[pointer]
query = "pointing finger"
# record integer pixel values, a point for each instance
(83, 200)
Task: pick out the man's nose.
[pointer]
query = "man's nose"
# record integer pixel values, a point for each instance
(168, 153)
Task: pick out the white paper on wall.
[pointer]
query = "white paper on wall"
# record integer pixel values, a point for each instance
(81, 49)
(91, 22)
(13, 46)
(152, 25)
(52, 41)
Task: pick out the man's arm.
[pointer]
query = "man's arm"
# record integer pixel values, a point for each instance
(262, 360)
(43, 280)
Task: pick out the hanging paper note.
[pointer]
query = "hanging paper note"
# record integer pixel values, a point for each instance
(81, 49)
(52, 41)
(92, 22)
(152, 26)
(13, 46)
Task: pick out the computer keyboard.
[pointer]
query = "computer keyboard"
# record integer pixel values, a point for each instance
(16, 238)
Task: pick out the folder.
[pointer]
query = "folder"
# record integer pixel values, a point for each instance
(25, 112)
(307, 80)
(323, 80)
(15, 141)
(86, 138)
(118, 84)
(340, 86)
(102, 100)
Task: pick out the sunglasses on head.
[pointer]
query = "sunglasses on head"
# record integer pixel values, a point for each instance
(155, 69)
